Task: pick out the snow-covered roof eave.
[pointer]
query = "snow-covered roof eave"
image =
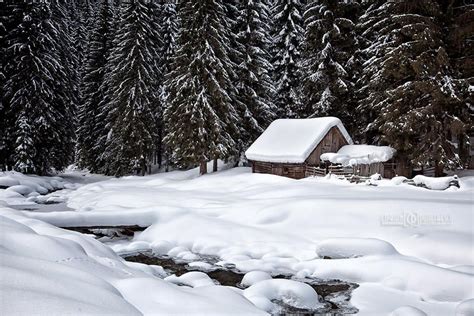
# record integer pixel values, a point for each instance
(282, 142)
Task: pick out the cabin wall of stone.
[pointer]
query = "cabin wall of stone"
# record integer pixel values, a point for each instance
(331, 143)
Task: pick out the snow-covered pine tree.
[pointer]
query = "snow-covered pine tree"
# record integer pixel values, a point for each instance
(6, 18)
(232, 10)
(91, 125)
(10, 17)
(287, 39)
(329, 44)
(409, 92)
(232, 28)
(83, 21)
(70, 83)
(255, 87)
(35, 91)
(168, 23)
(105, 106)
(201, 119)
(459, 17)
(159, 14)
(132, 116)
(168, 30)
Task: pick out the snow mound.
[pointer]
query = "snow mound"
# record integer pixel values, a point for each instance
(465, 308)
(24, 189)
(50, 271)
(434, 183)
(351, 155)
(18, 186)
(408, 311)
(293, 140)
(398, 180)
(289, 292)
(40, 274)
(202, 266)
(339, 248)
(192, 279)
(152, 270)
(252, 277)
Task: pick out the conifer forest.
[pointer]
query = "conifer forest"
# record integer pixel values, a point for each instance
(120, 86)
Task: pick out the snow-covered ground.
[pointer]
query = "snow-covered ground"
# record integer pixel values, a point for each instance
(410, 249)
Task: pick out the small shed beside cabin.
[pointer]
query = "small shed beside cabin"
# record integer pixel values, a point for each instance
(289, 146)
(364, 160)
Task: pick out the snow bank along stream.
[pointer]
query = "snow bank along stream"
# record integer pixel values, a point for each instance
(409, 249)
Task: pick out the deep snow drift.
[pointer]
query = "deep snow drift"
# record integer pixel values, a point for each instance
(409, 248)
(45, 270)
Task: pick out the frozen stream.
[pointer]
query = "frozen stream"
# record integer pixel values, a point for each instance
(334, 294)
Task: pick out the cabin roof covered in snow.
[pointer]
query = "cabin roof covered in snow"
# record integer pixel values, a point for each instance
(351, 155)
(293, 140)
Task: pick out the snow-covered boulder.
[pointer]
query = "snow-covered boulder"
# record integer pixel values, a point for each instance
(289, 292)
(192, 279)
(436, 183)
(398, 180)
(253, 277)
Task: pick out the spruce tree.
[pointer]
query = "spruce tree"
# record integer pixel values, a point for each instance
(105, 106)
(36, 91)
(232, 29)
(329, 44)
(83, 21)
(254, 84)
(168, 29)
(163, 19)
(232, 14)
(287, 37)
(459, 23)
(6, 18)
(91, 125)
(201, 120)
(133, 81)
(411, 99)
(11, 16)
(168, 23)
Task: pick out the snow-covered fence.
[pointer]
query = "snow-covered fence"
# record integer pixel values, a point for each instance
(313, 171)
(339, 170)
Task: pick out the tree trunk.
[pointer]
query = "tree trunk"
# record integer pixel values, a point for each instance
(438, 169)
(143, 167)
(214, 165)
(160, 148)
(203, 167)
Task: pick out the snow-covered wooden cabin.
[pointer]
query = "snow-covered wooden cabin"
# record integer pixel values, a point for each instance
(289, 146)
